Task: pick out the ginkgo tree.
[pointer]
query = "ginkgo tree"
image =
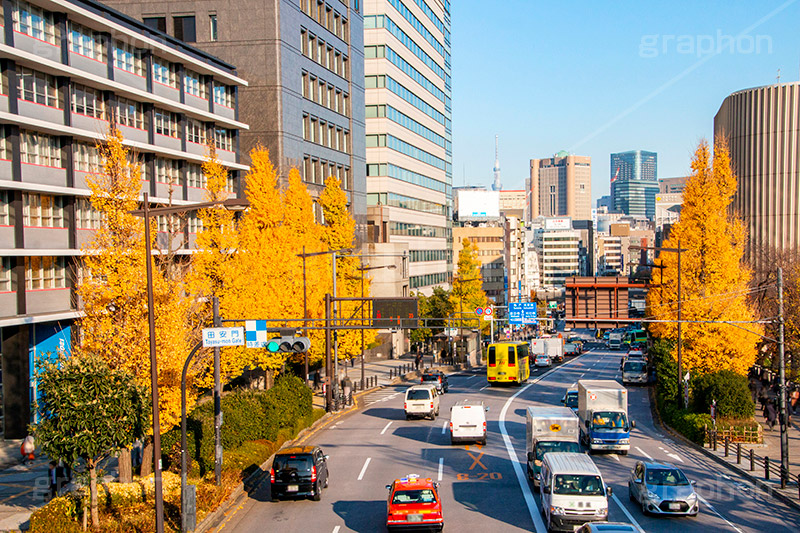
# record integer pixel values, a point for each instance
(714, 278)
(467, 293)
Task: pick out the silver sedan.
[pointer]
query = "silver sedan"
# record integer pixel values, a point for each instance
(661, 488)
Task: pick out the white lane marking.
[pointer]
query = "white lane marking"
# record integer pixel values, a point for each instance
(624, 510)
(674, 456)
(484, 387)
(441, 466)
(386, 427)
(705, 502)
(475, 376)
(336, 529)
(641, 451)
(364, 468)
(615, 456)
(444, 426)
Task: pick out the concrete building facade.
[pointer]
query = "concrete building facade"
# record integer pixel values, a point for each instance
(69, 68)
(762, 127)
(514, 204)
(560, 186)
(557, 247)
(490, 241)
(634, 183)
(304, 62)
(408, 132)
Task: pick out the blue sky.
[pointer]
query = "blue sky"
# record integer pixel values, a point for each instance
(596, 77)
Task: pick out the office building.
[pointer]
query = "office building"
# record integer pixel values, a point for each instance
(762, 127)
(557, 247)
(610, 258)
(634, 183)
(408, 132)
(304, 63)
(70, 67)
(490, 242)
(560, 186)
(513, 204)
(671, 185)
(515, 248)
(605, 201)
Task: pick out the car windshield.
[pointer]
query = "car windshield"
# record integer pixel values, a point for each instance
(572, 399)
(418, 394)
(609, 420)
(292, 463)
(430, 377)
(585, 485)
(634, 366)
(413, 496)
(670, 477)
(547, 447)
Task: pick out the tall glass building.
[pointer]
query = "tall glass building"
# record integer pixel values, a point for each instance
(408, 126)
(634, 183)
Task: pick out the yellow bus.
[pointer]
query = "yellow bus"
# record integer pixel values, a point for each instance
(507, 362)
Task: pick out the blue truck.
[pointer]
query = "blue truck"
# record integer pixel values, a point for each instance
(603, 414)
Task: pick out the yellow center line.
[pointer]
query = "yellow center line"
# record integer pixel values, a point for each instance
(23, 493)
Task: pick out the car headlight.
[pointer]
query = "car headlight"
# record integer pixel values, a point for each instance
(597, 441)
(624, 441)
(691, 498)
(556, 510)
(602, 511)
(653, 496)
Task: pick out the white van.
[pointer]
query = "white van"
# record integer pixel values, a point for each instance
(422, 401)
(573, 491)
(468, 422)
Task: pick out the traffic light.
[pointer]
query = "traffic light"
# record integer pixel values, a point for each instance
(288, 344)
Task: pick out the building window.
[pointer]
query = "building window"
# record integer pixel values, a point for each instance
(39, 149)
(6, 213)
(88, 101)
(156, 23)
(44, 273)
(5, 274)
(194, 85)
(130, 113)
(223, 95)
(195, 176)
(34, 21)
(212, 26)
(42, 210)
(86, 157)
(165, 72)
(168, 171)
(166, 123)
(86, 216)
(185, 28)
(223, 139)
(85, 42)
(128, 58)
(195, 131)
(230, 183)
(39, 88)
(194, 223)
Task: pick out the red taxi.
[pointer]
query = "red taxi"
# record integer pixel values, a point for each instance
(414, 504)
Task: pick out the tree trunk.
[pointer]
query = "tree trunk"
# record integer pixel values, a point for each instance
(125, 467)
(147, 459)
(93, 494)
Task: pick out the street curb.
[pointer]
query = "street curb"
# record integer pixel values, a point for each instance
(765, 487)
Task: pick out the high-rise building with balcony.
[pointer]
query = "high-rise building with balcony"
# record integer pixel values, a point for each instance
(634, 183)
(408, 133)
(304, 63)
(69, 68)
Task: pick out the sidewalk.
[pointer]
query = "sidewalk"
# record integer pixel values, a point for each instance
(22, 488)
(770, 448)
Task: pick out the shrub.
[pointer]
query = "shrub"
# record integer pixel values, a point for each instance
(730, 391)
(59, 515)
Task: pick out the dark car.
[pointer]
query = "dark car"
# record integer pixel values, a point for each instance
(437, 378)
(299, 471)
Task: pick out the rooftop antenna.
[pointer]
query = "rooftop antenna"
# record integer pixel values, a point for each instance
(778, 77)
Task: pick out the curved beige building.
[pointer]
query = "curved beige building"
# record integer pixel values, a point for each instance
(762, 126)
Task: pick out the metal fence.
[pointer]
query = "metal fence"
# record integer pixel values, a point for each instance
(761, 466)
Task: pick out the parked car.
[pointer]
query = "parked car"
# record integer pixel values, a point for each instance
(542, 360)
(437, 378)
(299, 471)
(414, 503)
(661, 488)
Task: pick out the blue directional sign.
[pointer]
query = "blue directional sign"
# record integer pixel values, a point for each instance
(522, 313)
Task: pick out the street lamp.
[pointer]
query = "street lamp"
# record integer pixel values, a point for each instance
(234, 204)
(363, 268)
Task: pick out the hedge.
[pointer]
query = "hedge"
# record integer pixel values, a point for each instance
(247, 415)
(730, 391)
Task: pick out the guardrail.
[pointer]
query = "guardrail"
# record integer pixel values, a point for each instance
(769, 468)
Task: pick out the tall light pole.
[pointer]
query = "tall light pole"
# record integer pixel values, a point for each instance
(782, 390)
(363, 268)
(233, 204)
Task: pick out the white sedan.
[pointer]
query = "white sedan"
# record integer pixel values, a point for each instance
(542, 360)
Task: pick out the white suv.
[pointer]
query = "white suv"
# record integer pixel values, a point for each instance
(422, 401)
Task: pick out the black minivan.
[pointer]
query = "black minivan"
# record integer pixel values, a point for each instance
(299, 471)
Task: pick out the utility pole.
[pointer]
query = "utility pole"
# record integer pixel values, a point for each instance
(329, 381)
(782, 390)
(305, 312)
(681, 395)
(217, 402)
(335, 332)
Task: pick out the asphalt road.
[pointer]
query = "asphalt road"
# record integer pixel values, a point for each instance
(484, 488)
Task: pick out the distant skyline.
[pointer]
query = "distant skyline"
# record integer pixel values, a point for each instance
(595, 78)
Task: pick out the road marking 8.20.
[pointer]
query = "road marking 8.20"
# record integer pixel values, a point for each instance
(482, 476)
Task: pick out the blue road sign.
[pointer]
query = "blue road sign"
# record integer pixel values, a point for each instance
(522, 313)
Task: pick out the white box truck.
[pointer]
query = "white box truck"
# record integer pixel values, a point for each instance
(554, 348)
(549, 429)
(537, 347)
(615, 341)
(603, 413)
